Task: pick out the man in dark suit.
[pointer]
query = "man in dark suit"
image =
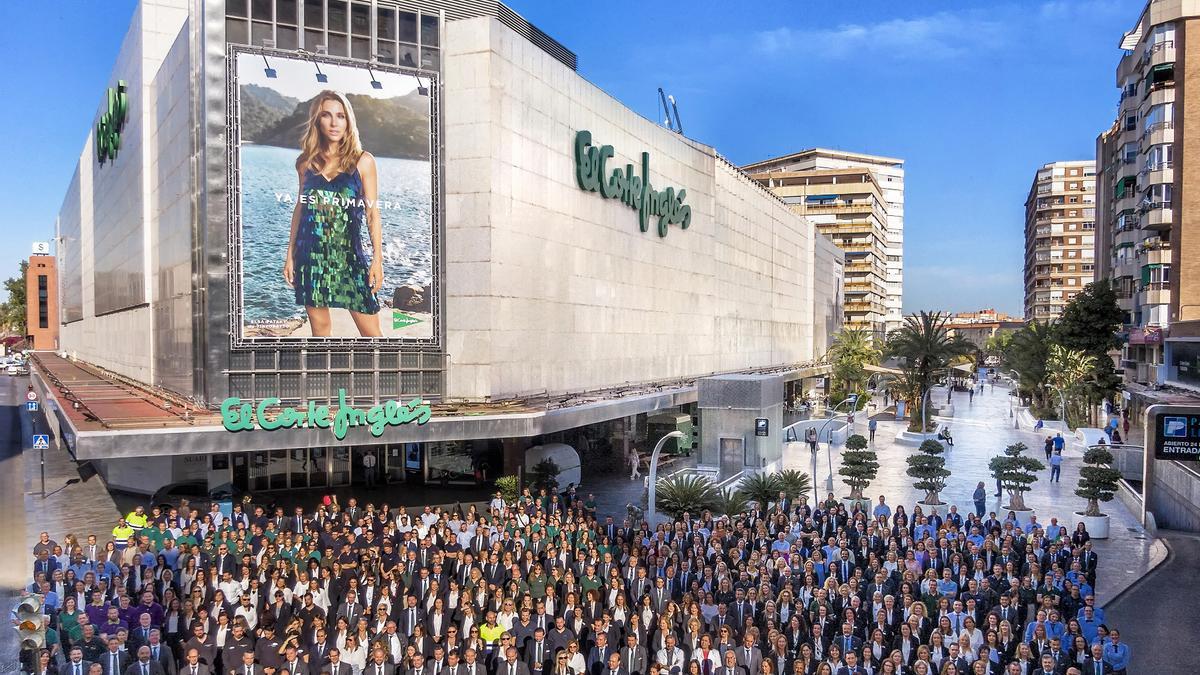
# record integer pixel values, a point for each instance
(192, 666)
(292, 661)
(378, 664)
(161, 653)
(511, 665)
(336, 666)
(411, 616)
(749, 656)
(114, 660)
(1094, 664)
(847, 641)
(633, 657)
(597, 657)
(613, 667)
(851, 667)
(144, 665)
(843, 570)
(1048, 667)
(75, 664)
(538, 653)
(731, 666)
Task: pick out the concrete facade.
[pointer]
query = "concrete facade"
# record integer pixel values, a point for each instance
(550, 287)
(1060, 223)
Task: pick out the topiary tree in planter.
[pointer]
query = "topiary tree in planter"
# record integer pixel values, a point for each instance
(859, 466)
(1097, 480)
(929, 468)
(1016, 472)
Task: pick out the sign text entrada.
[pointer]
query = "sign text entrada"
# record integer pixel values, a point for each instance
(592, 174)
(111, 122)
(239, 416)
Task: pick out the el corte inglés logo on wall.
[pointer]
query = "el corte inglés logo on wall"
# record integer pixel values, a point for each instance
(592, 174)
(111, 122)
(239, 416)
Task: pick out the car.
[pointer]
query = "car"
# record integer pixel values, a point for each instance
(16, 370)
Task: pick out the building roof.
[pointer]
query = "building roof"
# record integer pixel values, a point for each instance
(842, 154)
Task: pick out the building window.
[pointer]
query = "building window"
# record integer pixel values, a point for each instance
(43, 302)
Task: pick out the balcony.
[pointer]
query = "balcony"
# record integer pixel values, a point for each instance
(1126, 236)
(856, 247)
(1154, 293)
(1159, 53)
(1159, 132)
(1157, 216)
(1156, 174)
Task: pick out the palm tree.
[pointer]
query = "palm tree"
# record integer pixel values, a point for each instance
(926, 346)
(852, 349)
(1028, 353)
(1068, 370)
(685, 493)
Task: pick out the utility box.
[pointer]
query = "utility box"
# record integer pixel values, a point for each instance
(732, 408)
(661, 424)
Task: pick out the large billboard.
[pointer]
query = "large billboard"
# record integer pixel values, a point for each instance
(334, 207)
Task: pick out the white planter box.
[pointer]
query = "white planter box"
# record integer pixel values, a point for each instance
(1097, 526)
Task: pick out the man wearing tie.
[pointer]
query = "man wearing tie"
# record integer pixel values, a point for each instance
(731, 666)
(848, 641)
(114, 661)
(512, 664)
(851, 667)
(633, 657)
(411, 616)
(844, 569)
(378, 664)
(161, 653)
(748, 655)
(614, 665)
(192, 665)
(144, 666)
(75, 664)
(1094, 664)
(336, 665)
(293, 663)
(537, 653)
(598, 655)
(469, 667)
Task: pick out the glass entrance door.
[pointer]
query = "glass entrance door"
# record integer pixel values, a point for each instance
(318, 467)
(339, 472)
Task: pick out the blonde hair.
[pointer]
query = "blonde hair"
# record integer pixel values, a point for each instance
(346, 155)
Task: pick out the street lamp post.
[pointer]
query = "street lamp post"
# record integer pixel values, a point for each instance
(653, 475)
(829, 446)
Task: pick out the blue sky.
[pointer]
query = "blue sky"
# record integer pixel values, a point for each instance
(974, 96)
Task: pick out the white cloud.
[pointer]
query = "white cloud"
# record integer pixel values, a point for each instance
(937, 36)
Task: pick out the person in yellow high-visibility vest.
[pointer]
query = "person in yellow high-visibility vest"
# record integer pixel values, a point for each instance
(121, 534)
(137, 519)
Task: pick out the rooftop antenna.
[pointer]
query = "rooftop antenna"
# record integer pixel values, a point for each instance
(668, 108)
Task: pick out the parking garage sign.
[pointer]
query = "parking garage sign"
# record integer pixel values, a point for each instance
(1177, 437)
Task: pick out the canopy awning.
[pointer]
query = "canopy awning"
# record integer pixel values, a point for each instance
(966, 368)
(881, 369)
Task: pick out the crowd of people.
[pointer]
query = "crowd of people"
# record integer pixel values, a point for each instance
(545, 585)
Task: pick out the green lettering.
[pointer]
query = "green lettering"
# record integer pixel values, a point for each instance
(606, 188)
(377, 420)
(264, 422)
(235, 415)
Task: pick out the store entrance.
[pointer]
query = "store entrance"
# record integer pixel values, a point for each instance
(304, 468)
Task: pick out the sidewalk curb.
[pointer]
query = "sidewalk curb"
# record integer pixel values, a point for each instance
(1145, 577)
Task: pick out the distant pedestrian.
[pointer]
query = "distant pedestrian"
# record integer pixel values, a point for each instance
(810, 437)
(1059, 442)
(370, 472)
(871, 425)
(971, 395)
(980, 498)
(1040, 424)
(1056, 461)
(1049, 447)
(635, 462)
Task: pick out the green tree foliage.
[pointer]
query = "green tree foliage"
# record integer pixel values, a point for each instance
(1097, 479)
(1089, 323)
(1017, 472)
(1028, 354)
(1069, 372)
(794, 483)
(507, 487)
(12, 311)
(731, 502)
(859, 465)
(544, 476)
(929, 468)
(852, 350)
(761, 487)
(925, 346)
(998, 343)
(685, 493)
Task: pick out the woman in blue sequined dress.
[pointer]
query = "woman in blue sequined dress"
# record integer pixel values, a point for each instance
(326, 262)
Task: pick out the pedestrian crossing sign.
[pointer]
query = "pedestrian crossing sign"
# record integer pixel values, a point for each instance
(41, 441)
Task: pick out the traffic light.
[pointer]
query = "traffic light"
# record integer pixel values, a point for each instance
(31, 631)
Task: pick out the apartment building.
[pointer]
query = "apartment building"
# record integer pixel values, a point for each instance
(858, 201)
(1147, 241)
(1060, 223)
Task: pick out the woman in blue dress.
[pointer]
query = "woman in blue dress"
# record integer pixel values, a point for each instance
(326, 263)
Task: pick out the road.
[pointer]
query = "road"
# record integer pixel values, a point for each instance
(1158, 616)
(13, 572)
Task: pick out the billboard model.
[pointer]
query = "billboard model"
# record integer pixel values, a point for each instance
(333, 230)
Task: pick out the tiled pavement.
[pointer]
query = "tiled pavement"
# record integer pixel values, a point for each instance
(982, 429)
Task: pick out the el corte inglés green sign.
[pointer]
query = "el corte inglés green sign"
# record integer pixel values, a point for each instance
(111, 122)
(592, 173)
(239, 416)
